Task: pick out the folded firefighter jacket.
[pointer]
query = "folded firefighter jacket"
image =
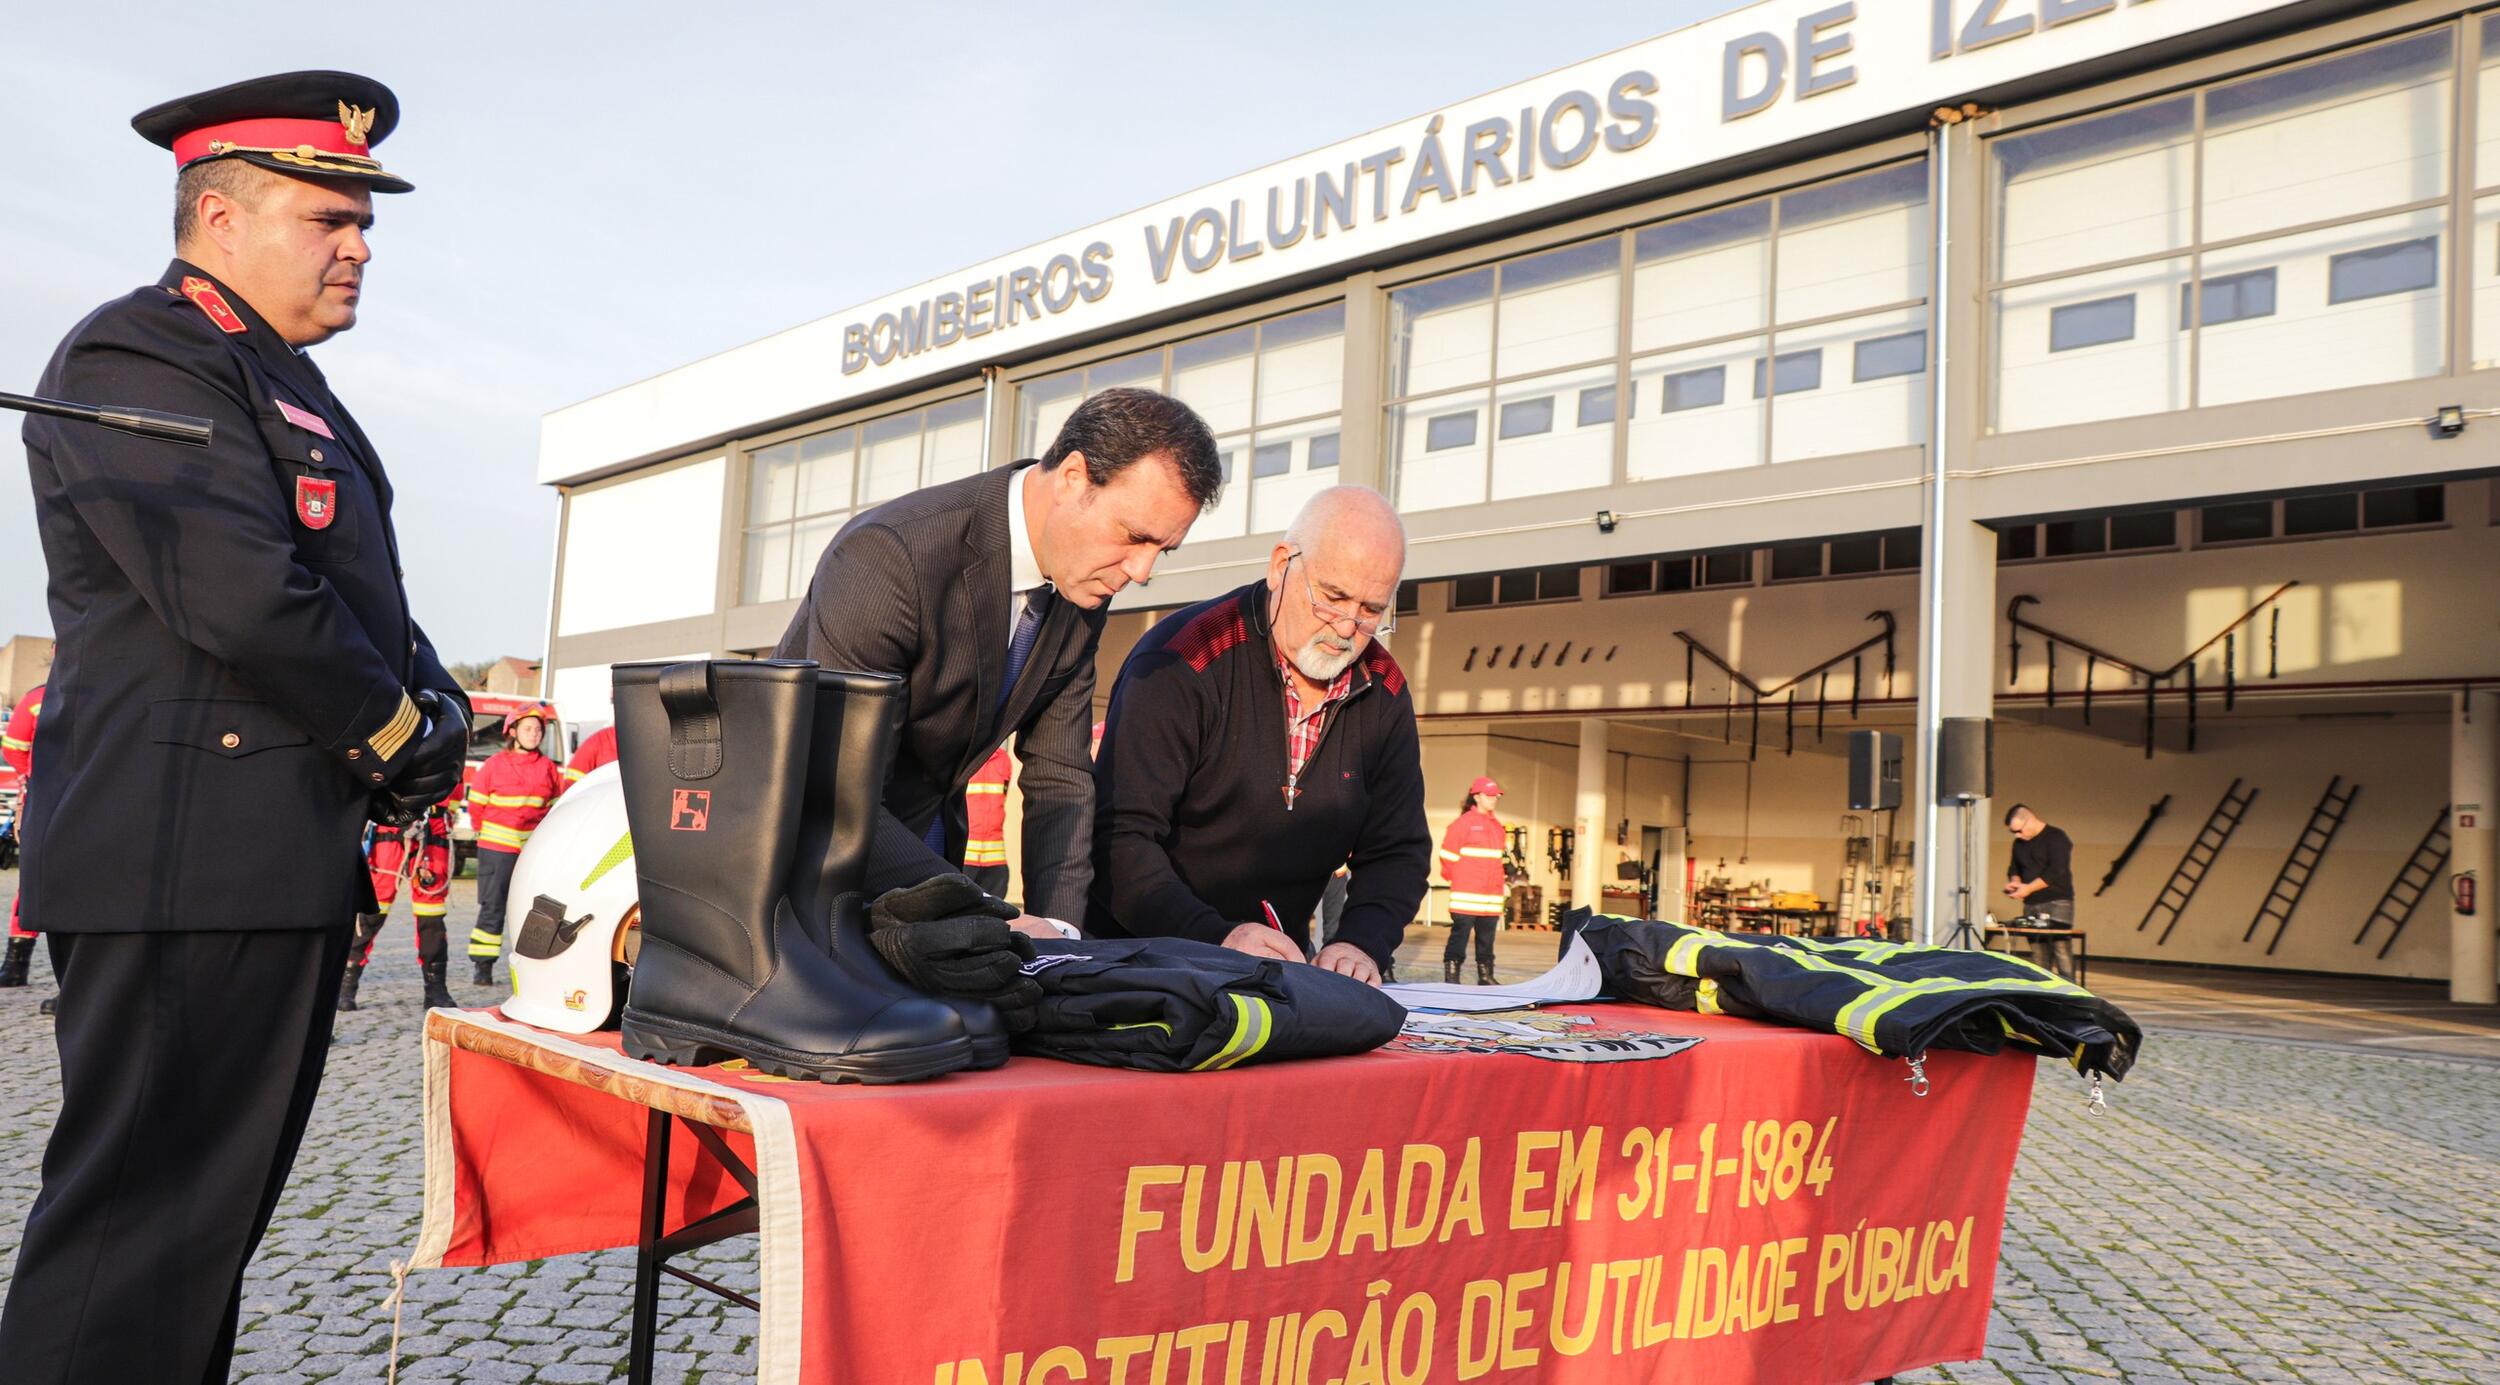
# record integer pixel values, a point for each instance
(1894, 999)
(1173, 1005)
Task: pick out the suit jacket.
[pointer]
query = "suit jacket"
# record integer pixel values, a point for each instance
(917, 587)
(235, 648)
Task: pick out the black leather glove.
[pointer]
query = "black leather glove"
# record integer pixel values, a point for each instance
(938, 897)
(433, 768)
(968, 958)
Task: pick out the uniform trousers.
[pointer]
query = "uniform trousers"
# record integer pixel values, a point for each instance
(1483, 925)
(494, 885)
(189, 1062)
(991, 879)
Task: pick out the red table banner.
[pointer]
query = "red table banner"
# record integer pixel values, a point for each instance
(1575, 1194)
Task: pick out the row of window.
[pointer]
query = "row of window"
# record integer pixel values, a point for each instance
(2239, 521)
(2376, 272)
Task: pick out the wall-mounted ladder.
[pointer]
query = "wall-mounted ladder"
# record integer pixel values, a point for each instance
(2413, 880)
(2301, 865)
(2199, 858)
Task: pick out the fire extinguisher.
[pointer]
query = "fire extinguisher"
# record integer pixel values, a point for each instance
(2464, 886)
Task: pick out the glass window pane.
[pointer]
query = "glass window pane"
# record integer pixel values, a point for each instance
(1471, 591)
(1212, 375)
(808, 540)
(2487, 281)
(1795, 373)
(2097, 323)
(1791, 561)
(954, 439)
(2321, 514)
(1290, 464)
(2022, 541)
(1852, 244)
(1429, 477)
(2236, 522)
(1542, 449)
(2109, 187)
(2360, 130)
(1849, 556)
(2229, 298)
(1517, 587)
(1728, 568)
(2069, 537)
(1558, 583)
(2158, 529)
(1229, 516)
(1141, 370)
(2347, 316)
(1595, 406)
(1702, 277)
(1410, 598)
(1677, 574)
(889, 458)
(767, 575)
(1041, 406)
(1441, 333)
(2038, 386)
(1302, 364)
(825, 466)
(1559, 308)
(2403, 505)
(2487, 109)
(1271, 459)
(1901, 550)
(1626, 579)
(1684, 419)
(1324, 449)
(1852, 411)
(772, 483)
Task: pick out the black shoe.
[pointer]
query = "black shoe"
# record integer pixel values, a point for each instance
(51, 1004)
(437, 995)
(483, 971)
(717, 760)
(13, 966)
(1449, 973)
(1484, 973)
(347, 987)
(859, 718)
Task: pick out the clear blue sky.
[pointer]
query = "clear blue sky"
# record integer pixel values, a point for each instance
(608, 190)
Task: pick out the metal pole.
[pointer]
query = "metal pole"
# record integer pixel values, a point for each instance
(648, 1257)
(555, 571)
(1931, 633)
(989, 409)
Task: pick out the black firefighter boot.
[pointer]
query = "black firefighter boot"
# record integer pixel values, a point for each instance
(437, 992)
(13, 967)
(1484, 973)
(368, 926)
(859, 719)
(1449, 972)
(715, 760)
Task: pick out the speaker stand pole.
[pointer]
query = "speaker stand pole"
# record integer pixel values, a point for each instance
(1965, 934)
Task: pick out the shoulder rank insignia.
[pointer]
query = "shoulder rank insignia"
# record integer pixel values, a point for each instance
(205, 296)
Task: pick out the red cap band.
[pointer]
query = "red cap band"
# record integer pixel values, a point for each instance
(328, 136)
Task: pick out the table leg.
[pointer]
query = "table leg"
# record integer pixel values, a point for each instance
(647, 1259)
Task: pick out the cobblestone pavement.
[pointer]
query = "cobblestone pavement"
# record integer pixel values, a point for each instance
(2248, 1210)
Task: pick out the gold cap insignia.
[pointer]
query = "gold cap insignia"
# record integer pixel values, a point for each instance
(356, 121)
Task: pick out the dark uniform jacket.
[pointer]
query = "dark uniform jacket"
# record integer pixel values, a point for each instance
(917, 588)
(1171, 1005)
(235, 652)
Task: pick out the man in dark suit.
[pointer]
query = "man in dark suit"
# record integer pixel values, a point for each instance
(238, 686)
(987, 595)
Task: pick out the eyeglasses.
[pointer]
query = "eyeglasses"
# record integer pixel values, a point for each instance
(1336, 619)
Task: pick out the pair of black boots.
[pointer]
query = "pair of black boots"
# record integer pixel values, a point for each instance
(752, 789)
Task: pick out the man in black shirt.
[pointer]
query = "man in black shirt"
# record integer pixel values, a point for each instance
(2042, 871)
(1257, 742)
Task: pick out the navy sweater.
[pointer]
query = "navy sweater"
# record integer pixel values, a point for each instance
(1191, 828)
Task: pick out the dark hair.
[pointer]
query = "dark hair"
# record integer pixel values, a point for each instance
(237, 180)
(2017, 808)
(1118, 428)
(1467, 801)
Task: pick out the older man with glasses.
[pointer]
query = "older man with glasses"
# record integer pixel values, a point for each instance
(1258, 742)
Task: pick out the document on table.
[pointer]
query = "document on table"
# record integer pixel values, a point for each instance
(1575, 977)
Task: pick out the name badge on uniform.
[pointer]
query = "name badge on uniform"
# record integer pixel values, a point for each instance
(310, 423)
(316, 501)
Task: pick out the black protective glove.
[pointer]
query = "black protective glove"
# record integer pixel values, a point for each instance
(968, 958)
(938, 897)
(432, 772)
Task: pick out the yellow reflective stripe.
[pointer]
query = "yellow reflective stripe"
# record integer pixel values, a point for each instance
(1448, 855)
(1483, 853)
(985, 788)
(501, 834)
(617, 855)
(1706, 997)
(1253, 1026)
(1475, 903)
(985, 855)
(13, 743)
(432, 911)
(574, 776)
(509, 800)
(393, 735)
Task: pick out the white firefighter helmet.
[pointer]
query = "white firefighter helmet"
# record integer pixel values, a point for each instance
(572, 919)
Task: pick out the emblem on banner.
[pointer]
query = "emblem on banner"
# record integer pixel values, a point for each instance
(690, 810)
(1557, 1038)
(316, 501)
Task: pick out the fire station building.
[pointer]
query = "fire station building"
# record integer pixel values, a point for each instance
(2124, 371)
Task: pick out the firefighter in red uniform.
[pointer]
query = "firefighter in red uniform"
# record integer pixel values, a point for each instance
(508, 795)
(17, 746)
(421, 852)
(599, 750)
(985, 823)
(1471, 860)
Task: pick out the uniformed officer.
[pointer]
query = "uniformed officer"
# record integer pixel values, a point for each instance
(238, 686)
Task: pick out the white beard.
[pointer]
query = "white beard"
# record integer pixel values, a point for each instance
(1321, 664)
